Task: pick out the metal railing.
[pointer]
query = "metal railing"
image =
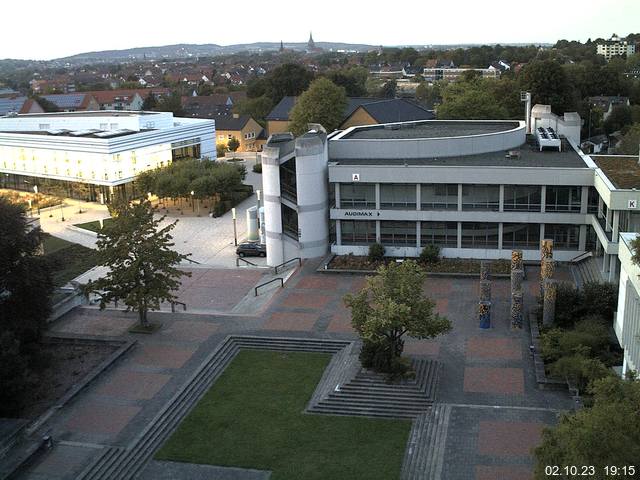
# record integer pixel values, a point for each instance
(275, 269)
(240, 259)
(255, 290)
(173, 306)
(582, 256)
(193, 261)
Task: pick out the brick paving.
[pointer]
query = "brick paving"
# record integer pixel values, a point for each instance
(482, 369)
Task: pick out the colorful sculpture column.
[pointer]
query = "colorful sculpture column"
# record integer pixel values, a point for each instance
(517, 276)
(484, 305)
(546, 252)
(549, 302)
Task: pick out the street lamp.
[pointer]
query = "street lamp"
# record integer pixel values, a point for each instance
(235, 231)
(193, 207)
(35, 190)
(258, 196)
(61, 212)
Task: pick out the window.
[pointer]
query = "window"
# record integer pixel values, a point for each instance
(479, 235)
(398, 233)
(289, 222)
(441, 196)
(522, 198)
(565, 237)
(593, 200)
(481, 197)
(521, 235)
(44, 126)
(357, 195)
(443, 234)
(398, 196)
(563, 199)
(288, 182)
(357, 232)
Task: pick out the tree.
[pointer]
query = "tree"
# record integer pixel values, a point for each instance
(289, 79)
(46, 105)
(233, 144)
(149, 103)
(389, 89)
(619, 118)
(323, 103)
(608, 433)
(171, 103)
(630, 141)
(547, 81)
(25, 293)
(221, 149)
(353, 79)
(257, 108)
(141, 263)
(473, 100)
(391, 305)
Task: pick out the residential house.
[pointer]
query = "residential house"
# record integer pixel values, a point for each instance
(242, 127)
(15, 105)
(608, 103)
(73, 102)
(211, 106)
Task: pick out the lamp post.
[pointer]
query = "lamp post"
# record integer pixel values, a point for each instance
(61, 212)
(235, 231)
(258, 196)
(193, 207)
(35, 190)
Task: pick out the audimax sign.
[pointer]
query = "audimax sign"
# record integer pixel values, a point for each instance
(361, 213)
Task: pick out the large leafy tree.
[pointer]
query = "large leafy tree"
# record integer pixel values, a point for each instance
(548, 83)
(608, 433)
(630, 140)
(473, 100)
(25, 291)
(323, 103)
(391, 305)
(142, 266)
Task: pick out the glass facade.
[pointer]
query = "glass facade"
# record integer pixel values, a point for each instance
(398, 196)
(398, 233)
(592, 204)
(289, 222)
(288, 185)
(522, 198)
(481, 197)
(521, 235)
(479, 235)
(563, 199)
(357, 232)
(357, 195)
(443, 196)
(443, 234)
(565, 237)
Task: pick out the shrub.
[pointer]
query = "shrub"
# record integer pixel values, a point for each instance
(579, 370)
(595, 298)
(430, 254)
(376, 252)
(378, 356)
(257, 168)
(590, 336)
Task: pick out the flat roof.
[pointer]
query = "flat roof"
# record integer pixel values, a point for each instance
(529, 156)
(622, 170)
(90, 113)
(429, 129)
(104, 135)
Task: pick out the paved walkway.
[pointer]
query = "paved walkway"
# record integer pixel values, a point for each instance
(497, 413)
(209, 240)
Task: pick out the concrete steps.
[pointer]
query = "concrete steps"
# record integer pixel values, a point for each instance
(116, 464)
(424, 456)
(369, 394)
(588, 270)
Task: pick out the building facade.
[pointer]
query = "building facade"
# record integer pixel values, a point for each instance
(614, 47)
(92, 155)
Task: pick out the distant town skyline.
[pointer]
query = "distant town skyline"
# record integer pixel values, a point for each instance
(77, 29)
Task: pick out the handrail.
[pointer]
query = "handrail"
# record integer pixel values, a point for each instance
(581, 257)
(267, 283)
(174, 303)
(238, 259)
(288, 261)
(192, 261)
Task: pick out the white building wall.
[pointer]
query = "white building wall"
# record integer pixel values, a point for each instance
(272, 205)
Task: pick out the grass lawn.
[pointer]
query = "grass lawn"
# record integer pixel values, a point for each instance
(252, 417)
(69, 259)
(93, 226)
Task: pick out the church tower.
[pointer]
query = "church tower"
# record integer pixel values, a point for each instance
(311, 45)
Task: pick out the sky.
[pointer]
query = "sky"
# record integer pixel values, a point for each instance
(41, 31)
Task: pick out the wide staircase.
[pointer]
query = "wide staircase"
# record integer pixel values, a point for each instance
(370, 394)
(587, 270)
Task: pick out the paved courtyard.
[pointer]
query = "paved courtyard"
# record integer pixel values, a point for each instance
(497, 412)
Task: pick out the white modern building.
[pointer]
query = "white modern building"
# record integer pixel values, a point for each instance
(614, 47)
(627, 321)
(91, 155)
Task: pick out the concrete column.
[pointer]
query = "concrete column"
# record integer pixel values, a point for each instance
(501, 202)
(613, 269)
(377, 231)
(582, 238)
(485, 291)
(541, 231)
(272, 207)
(459, 234)
(377, 196)
(616, 225)
(549, 302)
(605, 263)
(338, 233)
(516, 310)
(418, 234)
(600, 204)
(543, 201)
(337, 190)
(418, 197)
(609, 220)
(500, 231)
(584, 200)
(459, 197)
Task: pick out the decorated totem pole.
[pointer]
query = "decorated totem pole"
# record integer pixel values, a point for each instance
(517, 276)
(484, 305)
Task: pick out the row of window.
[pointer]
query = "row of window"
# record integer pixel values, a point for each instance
(517, 198)
(445, 234)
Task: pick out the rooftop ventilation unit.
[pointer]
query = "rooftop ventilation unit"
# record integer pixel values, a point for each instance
(79, 133)
(547, 137)
(113, 133)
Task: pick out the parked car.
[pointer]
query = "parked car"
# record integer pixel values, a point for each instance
(251, 249)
